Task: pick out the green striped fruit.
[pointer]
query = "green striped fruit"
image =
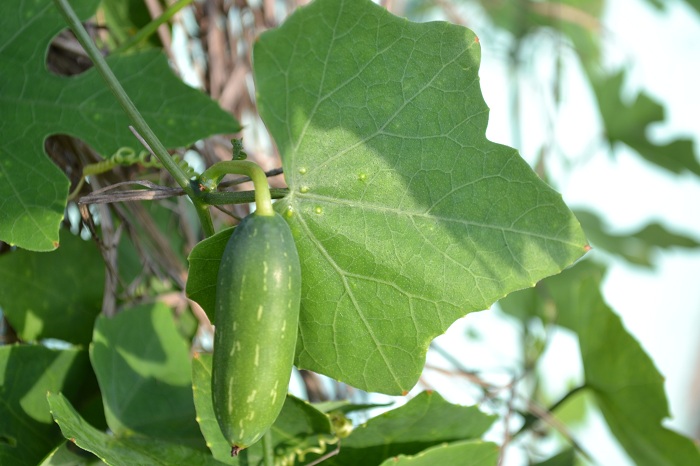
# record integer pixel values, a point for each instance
(257, 311)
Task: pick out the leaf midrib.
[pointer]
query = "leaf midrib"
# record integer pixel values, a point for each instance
(401, 212)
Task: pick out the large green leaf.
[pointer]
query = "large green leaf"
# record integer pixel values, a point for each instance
(425, 421)
(299, 430)
(116, 451)
(144, 371)
(53, 295)
(472, 453)
(35, 104)
(27, 432)
(406, 217)
(627, 387)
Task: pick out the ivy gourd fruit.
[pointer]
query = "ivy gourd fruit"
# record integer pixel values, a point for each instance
(258, 295)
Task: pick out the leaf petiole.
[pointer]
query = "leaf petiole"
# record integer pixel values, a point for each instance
(213, 175)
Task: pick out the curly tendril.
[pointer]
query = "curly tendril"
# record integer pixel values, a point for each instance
(127, 156)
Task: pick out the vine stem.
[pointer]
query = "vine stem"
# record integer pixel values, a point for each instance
(263, 201)
(268, 454)
(138, 121)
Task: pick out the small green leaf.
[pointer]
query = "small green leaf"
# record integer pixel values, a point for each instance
(53, 295)
(125, 17)
(67, 454)
(565, 458)
(143, 368)
(27, 372)
(423, 422)
(635, 247)
(629, 124)
(299, 430)
(115, 451)
(406, 217)
(35, 104)
(346, 407)
(472, 453)
(204, 268)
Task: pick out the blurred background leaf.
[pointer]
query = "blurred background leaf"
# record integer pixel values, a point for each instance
(143, 367)
(53, 294)
(27, 372)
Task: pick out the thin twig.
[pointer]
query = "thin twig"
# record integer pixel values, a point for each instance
(326, 456)
(109, 194)
(155, 191)
(546, 415)
(506, 420)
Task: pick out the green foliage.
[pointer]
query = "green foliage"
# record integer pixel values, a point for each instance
(406, 217)
(27, 372)
(565, 458)
(53, 295)
(635, 247)
(626, 385)
(629, 123)
(67, 454)
(36, 104)
(122, 451)
(472, 453)
(124, 18)
(423, 422)
(143, 368)
(204, 261)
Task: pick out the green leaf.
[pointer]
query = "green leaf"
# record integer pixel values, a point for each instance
(35, 104)
(472, 453)
(629, 124)
(425, 421)
(144, 371)
(565, 458)
(405, 216)
(694, 4)
(67, 454)
(628, 388)
(125, 17)
(53, 295)
(345, 407)
(204, 268)
(27, 372)
(118, 451)
(299, 430)
(635, 247)
(626, 385)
